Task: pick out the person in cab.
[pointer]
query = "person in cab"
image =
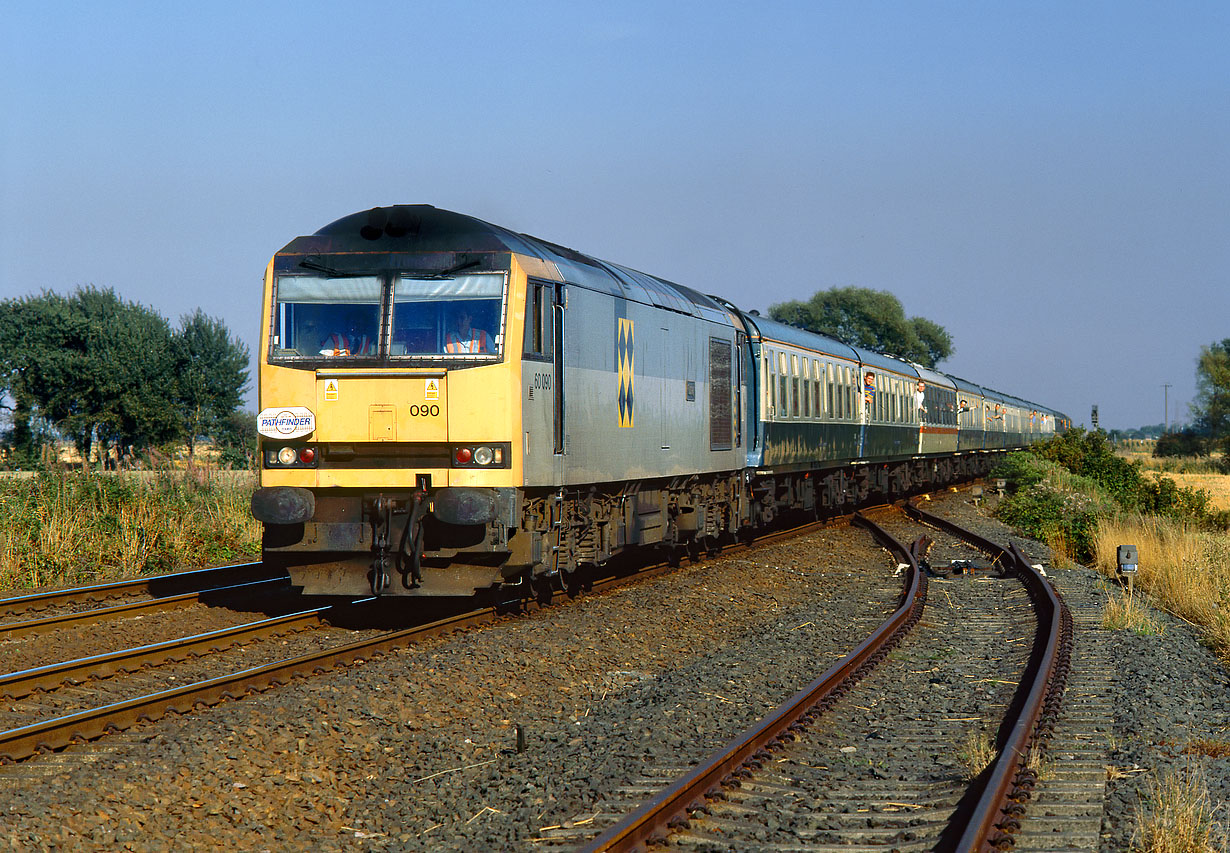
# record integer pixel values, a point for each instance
(463, 337)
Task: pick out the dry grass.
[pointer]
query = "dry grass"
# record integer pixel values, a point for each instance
(73, 527)
(1192, 472)
(1183, 569)
(1208, 748)
(1178, 817)
(977, 753)
(1217, 485)
(1127, 612)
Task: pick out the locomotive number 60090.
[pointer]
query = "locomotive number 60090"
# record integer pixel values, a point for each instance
(424, 411)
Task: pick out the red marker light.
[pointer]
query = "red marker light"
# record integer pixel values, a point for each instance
(463, 455)
(307, 454)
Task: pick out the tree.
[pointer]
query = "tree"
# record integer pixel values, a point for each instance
(873, 319)
(211, 373)
(1181, 443)
(93, 364)
(237, 440)
(1212, 405)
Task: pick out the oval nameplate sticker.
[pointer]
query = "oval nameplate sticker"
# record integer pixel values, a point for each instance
(285, 422)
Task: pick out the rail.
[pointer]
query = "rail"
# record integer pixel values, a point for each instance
(990, 815)
(160, 585)
(654, 818)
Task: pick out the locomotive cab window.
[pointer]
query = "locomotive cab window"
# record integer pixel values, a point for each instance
(320, 317)
(340, 317)
(459, 316)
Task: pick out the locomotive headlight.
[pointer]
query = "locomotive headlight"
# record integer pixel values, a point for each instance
(287, 455)
(483, 455)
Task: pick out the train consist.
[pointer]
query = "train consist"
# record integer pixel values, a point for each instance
(450, 407)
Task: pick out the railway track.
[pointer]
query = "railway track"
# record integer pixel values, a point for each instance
(801, 780)
(89, 723)
(199, 582)
(232, 594)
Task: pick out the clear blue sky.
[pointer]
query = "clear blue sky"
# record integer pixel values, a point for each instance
(1050, 181)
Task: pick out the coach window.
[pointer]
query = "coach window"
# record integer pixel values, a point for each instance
(817, 388)
(827, 373)
(782, 392)
(813, 382)
(808, 389)
(805, 402)
(794, 386)
(770, 376)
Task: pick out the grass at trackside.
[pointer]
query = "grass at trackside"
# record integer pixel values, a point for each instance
(1076, 494)
(61, 528)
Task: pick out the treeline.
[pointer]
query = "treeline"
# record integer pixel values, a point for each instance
(116, 380)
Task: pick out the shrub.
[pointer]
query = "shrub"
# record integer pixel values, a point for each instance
(1020, 470)
(1067, 520)
(1090, 457)
(1185, 443)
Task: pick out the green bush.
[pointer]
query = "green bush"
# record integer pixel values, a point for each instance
(1020, 470)
(1090, 454)
(1185, 443)
(1046, 513)
(1059, 488)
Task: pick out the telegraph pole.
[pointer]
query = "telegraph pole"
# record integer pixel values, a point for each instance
(1166, 407)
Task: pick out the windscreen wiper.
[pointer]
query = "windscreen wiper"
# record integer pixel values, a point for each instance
(456, 268)
(312, 262)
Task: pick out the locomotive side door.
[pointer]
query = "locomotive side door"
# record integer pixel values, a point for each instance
(559, 425)
(541, 376)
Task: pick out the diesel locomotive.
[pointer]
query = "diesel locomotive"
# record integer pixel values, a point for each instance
(449, 407)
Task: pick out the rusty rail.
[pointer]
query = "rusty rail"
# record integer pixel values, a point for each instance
(653, 819)
(58, 733)
(15, 685)
(99, 614)
(55, 734)
(990, 815)
(175, 583)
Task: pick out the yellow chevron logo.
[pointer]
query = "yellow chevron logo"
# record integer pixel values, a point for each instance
(625, 356)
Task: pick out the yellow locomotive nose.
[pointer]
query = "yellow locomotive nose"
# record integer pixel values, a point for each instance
(380, 407)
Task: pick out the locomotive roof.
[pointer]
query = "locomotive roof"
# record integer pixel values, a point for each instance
(424, 228)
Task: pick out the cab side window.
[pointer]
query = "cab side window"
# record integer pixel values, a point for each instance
(538, 319)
